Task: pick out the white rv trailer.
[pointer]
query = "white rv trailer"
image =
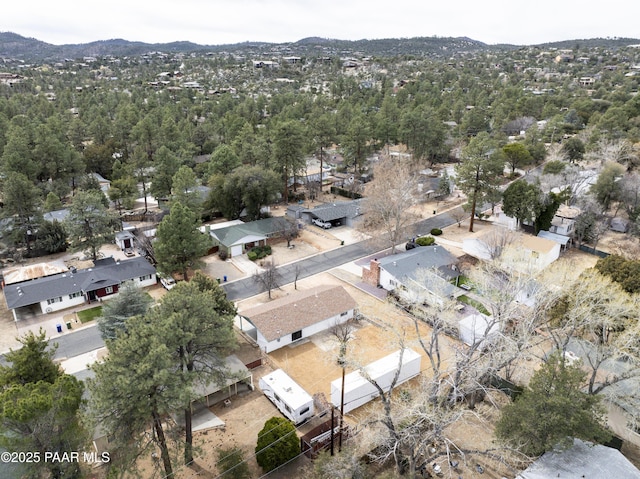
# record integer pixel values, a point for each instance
(287, 395)
(358, 390)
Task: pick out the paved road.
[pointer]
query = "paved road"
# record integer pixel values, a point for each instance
(247, 287)
(88, 339)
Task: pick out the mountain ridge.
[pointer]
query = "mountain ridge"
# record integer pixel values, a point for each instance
(13, 45)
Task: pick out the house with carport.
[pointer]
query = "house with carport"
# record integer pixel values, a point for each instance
(297, 316)
(338, 213)
(47, 291)
(236, 238)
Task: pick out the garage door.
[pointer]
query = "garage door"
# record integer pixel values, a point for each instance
(236, 250)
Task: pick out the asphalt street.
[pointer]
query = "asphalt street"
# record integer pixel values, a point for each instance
(88, 339)
(319, 263)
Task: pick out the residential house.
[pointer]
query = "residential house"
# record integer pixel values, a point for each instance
(73, 287)
(340, 212)
(524, 252)
(425, 272)
(581, 460)
(297, 316)
(105, 184)
(56, 215)
(238, 238)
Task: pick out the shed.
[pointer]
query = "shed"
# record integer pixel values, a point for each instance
(476, 328)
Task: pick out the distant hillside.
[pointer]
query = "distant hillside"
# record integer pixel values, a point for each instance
(615, 42)
(15, 46)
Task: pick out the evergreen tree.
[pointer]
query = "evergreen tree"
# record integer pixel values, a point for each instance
(278, 443)
(179, 243)
(134, 389)
(90, 224)
(39, 407)
(552, 410)
(479, 173)
(200, 321)
(130, 301)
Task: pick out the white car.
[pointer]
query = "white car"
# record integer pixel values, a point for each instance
(168, 282)
(322, 224)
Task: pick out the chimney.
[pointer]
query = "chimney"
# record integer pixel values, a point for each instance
(372, 274)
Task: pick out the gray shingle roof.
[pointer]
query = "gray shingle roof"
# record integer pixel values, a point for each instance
(420, 265)
(334, 211)
(420, 258)
(106, 272)
(583, 459)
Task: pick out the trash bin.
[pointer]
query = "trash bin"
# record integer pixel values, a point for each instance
(59, 327)
(224, 279)
(68, 324)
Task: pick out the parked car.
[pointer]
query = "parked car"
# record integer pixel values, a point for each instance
(322, 224)
(168, 282)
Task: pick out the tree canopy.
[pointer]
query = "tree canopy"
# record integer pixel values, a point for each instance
(179, 244)
(552, 410)
(277, 444)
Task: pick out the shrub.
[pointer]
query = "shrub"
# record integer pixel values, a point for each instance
(259, 252)
(436, 232)
(277, 444)
(222, 254)
(425, 240)
(232, 464)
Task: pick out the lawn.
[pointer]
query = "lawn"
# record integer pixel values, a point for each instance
(472, 302)
(90, 314)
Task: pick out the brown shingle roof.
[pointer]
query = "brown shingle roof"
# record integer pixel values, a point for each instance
(299, 310)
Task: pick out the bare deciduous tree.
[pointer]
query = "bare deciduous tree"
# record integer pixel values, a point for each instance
(268, 278)
(390, 196)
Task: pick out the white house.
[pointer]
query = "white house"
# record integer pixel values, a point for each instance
(73, 287)
(524, 252)
(297, 316)
(425, 269)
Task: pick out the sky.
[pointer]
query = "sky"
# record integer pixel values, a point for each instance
(219, 22)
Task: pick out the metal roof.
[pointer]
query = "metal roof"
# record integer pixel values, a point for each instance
(563, 240)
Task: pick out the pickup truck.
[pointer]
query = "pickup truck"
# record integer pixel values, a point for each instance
(322, 224)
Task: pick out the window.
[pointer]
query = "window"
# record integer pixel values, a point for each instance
(344, 314)
(297, 335)
(304, 411)
(108, 290)
(277, 398)
(145, 277)
(54, 300)
(75, 295)
(286, 406)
